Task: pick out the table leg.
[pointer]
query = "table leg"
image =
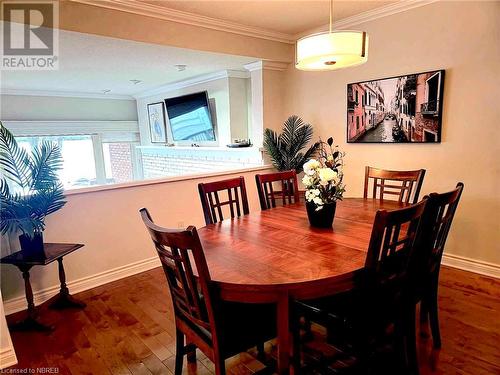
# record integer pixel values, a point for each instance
(30, 323)
(64, 300)
(284, 342)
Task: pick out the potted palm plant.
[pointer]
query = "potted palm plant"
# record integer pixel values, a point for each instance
(29, 189)
(285, 149)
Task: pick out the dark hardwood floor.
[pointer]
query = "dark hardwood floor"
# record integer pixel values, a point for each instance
(127, 328)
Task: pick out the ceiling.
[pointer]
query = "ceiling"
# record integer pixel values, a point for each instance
(102, 63)
(285, 16)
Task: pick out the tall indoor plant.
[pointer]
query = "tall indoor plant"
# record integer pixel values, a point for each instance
(286, 149)
(323, 179)
(29, 189)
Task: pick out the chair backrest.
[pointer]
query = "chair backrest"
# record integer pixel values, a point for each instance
(211, 201)
(405, 184)
(436, 224)
(289, 192)
(191, 296)
(392, 244)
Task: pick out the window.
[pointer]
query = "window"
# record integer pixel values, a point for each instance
(357, 122)
(79, 168)
(92, 150)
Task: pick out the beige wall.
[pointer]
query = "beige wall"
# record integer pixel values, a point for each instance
(109, 225)
(464, 39)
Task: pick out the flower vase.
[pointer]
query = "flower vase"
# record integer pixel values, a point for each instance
(322, 218)
(32, 246)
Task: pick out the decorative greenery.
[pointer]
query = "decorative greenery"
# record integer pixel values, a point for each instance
(285, 149)
(323, 177)
(29, 189)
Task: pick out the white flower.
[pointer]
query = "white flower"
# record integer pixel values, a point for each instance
(318, 201)
(307, 181)
(326, 175)
(311, 166)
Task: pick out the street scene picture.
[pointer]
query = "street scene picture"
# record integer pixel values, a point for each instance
(396, 110)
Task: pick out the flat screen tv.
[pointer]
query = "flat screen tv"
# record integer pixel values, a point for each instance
(190, 118)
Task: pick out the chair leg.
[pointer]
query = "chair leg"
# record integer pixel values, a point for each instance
(191, 354)
(179, 352)
(411, 343)
(424, 317)
(434, 320)
(261, 354)
(220, 365)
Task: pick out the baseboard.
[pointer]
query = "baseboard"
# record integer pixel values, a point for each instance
(7, 357)
(19, 303)
(471, 265)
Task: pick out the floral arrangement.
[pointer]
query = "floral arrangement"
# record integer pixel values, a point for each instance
(323, 176)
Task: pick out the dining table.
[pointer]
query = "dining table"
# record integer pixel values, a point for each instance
(275, 256)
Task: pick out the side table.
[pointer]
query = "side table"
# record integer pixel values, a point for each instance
(53, 252)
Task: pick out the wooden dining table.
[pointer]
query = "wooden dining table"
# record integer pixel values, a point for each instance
(276, 256)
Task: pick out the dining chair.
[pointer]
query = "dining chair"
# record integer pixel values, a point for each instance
(289, 192)
(220, 329)
(436, 223)
(211, 201)
(404, 184)
(382, 296)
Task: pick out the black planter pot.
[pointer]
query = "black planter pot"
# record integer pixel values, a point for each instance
(32, 246)
(322, 218)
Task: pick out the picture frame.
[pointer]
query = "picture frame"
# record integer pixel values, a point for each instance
(157, 122)
(400, 109)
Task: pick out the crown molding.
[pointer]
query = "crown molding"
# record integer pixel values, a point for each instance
(65, 94)
(371, 15)
(157, 11)
(193, 81)
(266, 65)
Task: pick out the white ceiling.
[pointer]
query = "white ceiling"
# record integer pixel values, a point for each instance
(89, 64)
(285, 16)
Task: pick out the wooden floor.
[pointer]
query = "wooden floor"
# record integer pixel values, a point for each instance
(127, 328)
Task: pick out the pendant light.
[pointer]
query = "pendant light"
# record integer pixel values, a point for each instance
(331, 50)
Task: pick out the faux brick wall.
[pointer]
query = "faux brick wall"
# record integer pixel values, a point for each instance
(121, 162)
(176, 163)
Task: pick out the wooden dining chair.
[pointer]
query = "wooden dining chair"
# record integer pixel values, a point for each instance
(382, 296)
(436, 223)
(405, 185)
(213, 205)
(220, 329)
(288, 193)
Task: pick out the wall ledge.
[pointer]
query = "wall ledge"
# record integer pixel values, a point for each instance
(131, 184)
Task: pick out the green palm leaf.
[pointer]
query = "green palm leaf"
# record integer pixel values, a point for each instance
(13, 159)
(36, 176)
(285, 149)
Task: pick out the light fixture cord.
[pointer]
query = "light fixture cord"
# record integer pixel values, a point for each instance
(331, 16)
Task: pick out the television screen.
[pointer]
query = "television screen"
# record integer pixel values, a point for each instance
(190, 118)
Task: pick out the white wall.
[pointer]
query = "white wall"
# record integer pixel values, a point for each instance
(464, 39)
(231, 106)
(40, 108)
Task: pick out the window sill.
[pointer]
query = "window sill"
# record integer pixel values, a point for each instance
(126, 185)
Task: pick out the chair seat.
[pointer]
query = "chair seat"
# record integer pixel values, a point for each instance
(241, 326)
(244, 325)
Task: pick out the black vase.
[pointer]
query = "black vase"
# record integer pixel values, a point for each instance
(32, 246)
(322, 218)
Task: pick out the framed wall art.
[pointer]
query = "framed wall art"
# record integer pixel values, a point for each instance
(403, 109)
